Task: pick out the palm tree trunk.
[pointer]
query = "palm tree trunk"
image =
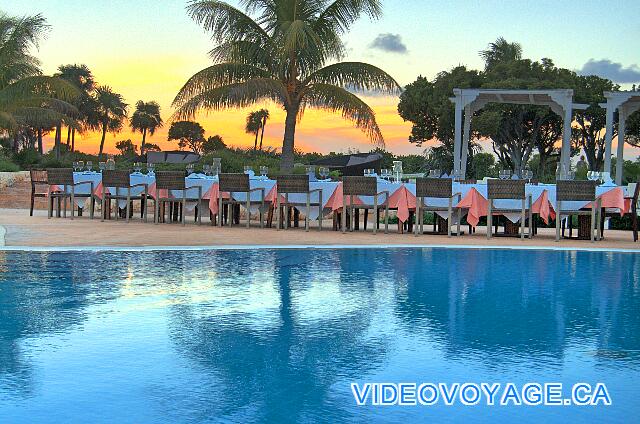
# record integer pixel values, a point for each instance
(58, 140)
(286, 160)
(40, 150)
(144, 137)
(73, 140)
(264, 123)
(255, 143)
(104, 134)
(68, 136)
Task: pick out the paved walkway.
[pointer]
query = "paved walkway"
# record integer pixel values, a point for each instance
(23, 230)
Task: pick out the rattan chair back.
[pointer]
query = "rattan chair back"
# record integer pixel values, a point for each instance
(506, 189)
(60, 176)
(567, 190)
(234, 182)
(116, 178)
(359, 186)
(170, 180)
(293, 183)
(38, 176)
(434, 187)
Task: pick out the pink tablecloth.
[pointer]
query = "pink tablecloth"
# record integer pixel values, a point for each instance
(335, 201)
(404, 201)
(476, 204)
(543, 207)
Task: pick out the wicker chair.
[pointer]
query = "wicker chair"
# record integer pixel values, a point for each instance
(633, 199)
(38, 178)
(121, 179)
(296, 184)
(509, 190)
(363, 186)
(238, 183)
(63, 177)
(570, 191)
(174, 180)
(440, 188)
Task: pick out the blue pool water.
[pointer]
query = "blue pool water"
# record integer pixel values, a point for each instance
(279, 335)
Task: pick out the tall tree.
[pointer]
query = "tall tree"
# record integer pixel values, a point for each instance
(500, 51)
(252, 126)
(426, 104)
(588, 132)
(82, 78)
(264, 115)
(146, 119)
(29, 100)
(189, 134)
(282, 55)
(108, 111)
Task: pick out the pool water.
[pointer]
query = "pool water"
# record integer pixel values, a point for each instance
(279, 335)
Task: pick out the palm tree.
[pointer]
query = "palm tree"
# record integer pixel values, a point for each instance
(108, 113)
(82, 78)
(28, 99)
(146, 118)
(253, 126)
(264, 115)
(282, 55)
(501, 51)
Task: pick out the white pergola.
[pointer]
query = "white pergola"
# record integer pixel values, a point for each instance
(471, 100)
(625, 102)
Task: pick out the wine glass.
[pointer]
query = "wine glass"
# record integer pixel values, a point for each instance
(102, 165)
(248, 169)
(434, 173)
(80, 165)
(264, 170)
(89, 165)
(206, 168)
(75, 166)
(151, 168)
(137, 167)
(527, 174)
(190, 167)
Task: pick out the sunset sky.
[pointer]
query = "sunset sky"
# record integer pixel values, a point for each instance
(147, 49)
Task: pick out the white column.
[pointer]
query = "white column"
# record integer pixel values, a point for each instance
(608, 139)
(465, 140)
(620, 157)
(565, 150)
(457, 141)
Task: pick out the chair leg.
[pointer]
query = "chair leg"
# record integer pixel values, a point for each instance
(489, 218)
(50, 206)
(449, 217)
(522, 218)
(306, 218)
(634, 223)
(344, 214)
(33, 199)
(417, 219)
(220, 211)
(593, 223)
(386, 217)
(375, 208)
(558, 221)
(184, 210)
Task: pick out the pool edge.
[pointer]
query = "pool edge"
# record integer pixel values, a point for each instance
(301, 246)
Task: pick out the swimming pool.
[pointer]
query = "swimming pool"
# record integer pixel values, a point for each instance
(279, 335)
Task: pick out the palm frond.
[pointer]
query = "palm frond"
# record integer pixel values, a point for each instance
(38, 117)
(232, 95)
(337, 99)
(217, 76)
(356, 76)
(225, 22)
(50, 86)
(341, 14)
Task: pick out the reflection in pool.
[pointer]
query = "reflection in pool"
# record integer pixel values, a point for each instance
(279, 335)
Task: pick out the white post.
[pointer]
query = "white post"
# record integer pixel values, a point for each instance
(620, 157)
(608, 139)
(457, 141)
(565, 151)
(465, 140)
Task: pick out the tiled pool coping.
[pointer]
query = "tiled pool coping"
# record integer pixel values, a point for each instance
(294, 246)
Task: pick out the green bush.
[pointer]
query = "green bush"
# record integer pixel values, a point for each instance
(6, 165)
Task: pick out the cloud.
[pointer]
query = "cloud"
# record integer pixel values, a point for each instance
(612, 70)
(389, 43)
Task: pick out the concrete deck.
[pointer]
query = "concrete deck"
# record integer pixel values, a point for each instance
(39, 231)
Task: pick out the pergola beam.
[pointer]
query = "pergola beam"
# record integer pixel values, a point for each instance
(626, 103)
